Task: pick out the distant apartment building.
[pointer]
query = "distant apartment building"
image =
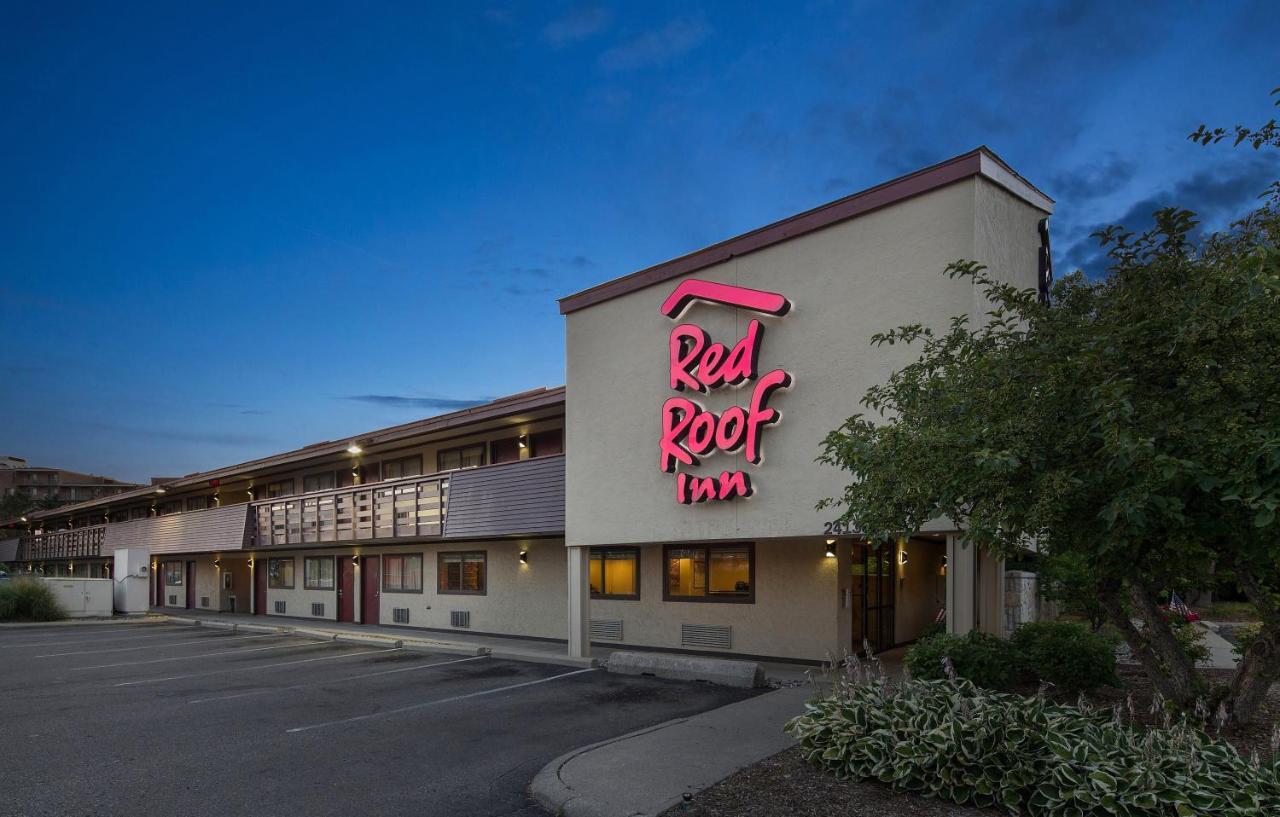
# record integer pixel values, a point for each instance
(58, 484)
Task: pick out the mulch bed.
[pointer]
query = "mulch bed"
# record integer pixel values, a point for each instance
(785, 784)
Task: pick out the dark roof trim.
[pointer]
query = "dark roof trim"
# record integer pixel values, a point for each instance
(978, 162)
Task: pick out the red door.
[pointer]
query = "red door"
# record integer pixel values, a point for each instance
(259, 588)
(370, 588)
(191, 585)
(346, 589)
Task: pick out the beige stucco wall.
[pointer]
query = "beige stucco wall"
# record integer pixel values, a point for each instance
(846, 282)
(795, 615)
(921, 589)
(298, 600)
(521, 599)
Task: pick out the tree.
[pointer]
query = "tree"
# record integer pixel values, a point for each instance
(1129, 427)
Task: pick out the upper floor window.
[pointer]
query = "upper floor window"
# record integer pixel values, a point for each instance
(166, 508)
(467, 456)
(546, 443)
(282, 488)
(317, 482)
(403, 467)
(140, 512)
(197, 503)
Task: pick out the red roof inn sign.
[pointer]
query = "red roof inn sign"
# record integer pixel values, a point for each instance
(697, 365)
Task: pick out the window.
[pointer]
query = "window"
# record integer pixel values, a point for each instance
(715, 573)
(172, 506)
(173, 574)
(462, 572)
(546, 443)
(402, 573)
(317, 573)
(507, 450)
(468, 456)
(282, 488)
(280, 573)
(403, 467)
(317, 482)
(615, 573)
(139, 512)
(197, 503)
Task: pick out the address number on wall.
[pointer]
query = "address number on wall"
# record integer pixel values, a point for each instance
(838, 528)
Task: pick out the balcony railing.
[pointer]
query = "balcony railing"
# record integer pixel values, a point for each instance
(412, 507)
(63, 544)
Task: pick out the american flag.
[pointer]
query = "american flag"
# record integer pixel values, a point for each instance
(1177, 605)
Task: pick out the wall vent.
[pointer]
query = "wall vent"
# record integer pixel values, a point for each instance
(400, 615)
(706, 636)
(173, 601)
(204, 601)
(606, 629)
(279, 606)
(459, 618)
(317, 608)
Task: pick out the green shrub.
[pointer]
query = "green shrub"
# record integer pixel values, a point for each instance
(1244, 635)
(986, 660)
(29, 600)
(955, 741)
(1190, 637)
(1067, 655)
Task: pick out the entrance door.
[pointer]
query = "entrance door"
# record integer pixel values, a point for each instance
(370, 588)
(191, 585)
(873, 597)
(346, 589)
(259, 588)
(160, 586)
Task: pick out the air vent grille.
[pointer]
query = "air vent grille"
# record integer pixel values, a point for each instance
(279, 606)
(317, 608)
(204, 601)
(459, 618)
(400, 615)
(173, 600)
(606, 629)
(706, 636)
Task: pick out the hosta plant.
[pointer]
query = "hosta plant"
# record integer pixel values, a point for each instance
(952, 740)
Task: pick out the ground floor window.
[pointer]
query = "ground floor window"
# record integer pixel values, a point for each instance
(615, 573)
(317, 573)
(173, 574)
(280, 573)
(402, 573)
(712, 573)
(462, 572)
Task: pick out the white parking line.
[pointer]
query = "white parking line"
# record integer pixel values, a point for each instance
(251, 669)
(426, 704)
(160, 644)
(63, 643)
(336, 680)
(203, 655)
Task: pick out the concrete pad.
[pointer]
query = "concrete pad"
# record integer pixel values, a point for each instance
(723, 671)
(650, 770)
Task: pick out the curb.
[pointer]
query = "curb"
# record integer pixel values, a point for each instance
(534, 657)
(123, 618)
(553, 794)
(368, 640)
(444, 648)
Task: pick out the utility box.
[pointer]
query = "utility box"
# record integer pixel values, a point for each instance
(133, 580)
(82, 598)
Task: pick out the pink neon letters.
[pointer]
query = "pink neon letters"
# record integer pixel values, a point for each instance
(696, 364)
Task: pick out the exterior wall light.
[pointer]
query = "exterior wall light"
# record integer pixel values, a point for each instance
(250, 561)
(160, 489)
(354, 449)
(523, 440)
(831, 548)
(524, 556)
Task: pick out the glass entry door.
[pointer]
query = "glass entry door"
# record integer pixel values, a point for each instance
(873, 597)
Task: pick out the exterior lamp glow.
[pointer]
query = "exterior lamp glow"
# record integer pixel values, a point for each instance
(354, 449)
(524, 557)
(23, 518)
(523, 440)
(160, 489)
(831, 548)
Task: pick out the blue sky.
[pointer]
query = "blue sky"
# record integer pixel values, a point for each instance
(230, 232)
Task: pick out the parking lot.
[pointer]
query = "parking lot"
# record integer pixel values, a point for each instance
(148, 718)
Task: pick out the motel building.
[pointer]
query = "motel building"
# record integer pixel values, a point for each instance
(663, 499)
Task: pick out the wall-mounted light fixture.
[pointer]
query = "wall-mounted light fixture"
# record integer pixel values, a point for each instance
(23, 518)
(354, 449)
(523, 440)
(355, 560)
(160, 489)
(524, 556)
(250, 561)
(831, 548)
(902, 557)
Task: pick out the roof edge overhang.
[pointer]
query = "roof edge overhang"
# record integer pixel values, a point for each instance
(980, 161)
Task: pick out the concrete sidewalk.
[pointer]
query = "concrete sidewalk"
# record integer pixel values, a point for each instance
(650, 770)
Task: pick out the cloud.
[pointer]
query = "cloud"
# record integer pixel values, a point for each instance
(657, 47)
(1217, 196)
(205, 437)
(1092, 181)
(579, 23)
(405, 401)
